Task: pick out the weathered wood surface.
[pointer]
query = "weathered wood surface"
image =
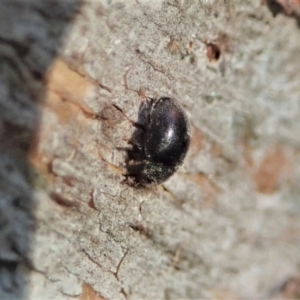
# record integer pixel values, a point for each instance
(225, 226)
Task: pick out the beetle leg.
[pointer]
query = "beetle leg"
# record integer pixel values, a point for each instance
(135, 146)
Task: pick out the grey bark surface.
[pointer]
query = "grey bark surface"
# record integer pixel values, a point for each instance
(225, 226)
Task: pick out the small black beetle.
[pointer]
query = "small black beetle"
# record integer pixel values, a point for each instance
(162, 143)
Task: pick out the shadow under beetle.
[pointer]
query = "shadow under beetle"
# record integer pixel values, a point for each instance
(160, 142)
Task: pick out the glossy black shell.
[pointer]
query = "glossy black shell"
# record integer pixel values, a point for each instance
(164, 143)
(167, 134)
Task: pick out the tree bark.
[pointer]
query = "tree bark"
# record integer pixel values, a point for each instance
(73, 76)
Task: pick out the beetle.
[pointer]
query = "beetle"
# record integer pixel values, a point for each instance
(162, 143)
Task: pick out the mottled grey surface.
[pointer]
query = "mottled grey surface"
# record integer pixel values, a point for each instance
(218, 227)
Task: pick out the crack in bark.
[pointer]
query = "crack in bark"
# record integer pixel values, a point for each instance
(155, 68)
(120, 263)
(104, 87)
(93, 260)
(139, 227)
(69, 295)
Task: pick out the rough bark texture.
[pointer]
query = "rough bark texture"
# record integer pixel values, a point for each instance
(225, 226)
